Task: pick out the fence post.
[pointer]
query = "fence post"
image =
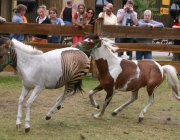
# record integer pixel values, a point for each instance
(97, 31)
(98, 26)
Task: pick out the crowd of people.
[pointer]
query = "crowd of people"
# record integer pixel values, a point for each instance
(81, 16)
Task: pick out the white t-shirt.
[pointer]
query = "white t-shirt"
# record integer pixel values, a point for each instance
(109, 20)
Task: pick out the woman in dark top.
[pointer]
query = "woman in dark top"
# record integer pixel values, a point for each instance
(67, 12)
(41, 19)
(90, 18)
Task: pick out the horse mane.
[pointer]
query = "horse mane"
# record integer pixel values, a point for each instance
(25, 48)
(105, 41)
(109, 44)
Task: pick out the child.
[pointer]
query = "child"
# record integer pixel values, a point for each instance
(79, 19)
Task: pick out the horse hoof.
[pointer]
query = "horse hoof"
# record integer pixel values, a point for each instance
(98, 107)
(27, 130)
(141, 119)
(18, 126)
(58, 107)
(48, 118)
(114, 114)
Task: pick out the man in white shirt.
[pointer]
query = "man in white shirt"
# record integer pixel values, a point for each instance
(109, 17)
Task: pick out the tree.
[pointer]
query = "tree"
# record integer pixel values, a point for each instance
(141, 5)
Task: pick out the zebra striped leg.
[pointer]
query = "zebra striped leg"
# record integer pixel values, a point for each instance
(66, 94)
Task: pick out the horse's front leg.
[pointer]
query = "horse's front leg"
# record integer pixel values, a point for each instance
(91, 93)
(24, 93)
(106, 102)
(33, 96)
(58, 102)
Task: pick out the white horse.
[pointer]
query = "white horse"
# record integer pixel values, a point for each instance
(39, 70)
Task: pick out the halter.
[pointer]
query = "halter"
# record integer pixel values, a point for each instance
(2, 66)
(88, 51)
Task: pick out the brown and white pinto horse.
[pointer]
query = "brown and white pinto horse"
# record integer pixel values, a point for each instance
(124, 75)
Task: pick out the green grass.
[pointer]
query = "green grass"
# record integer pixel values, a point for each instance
(74, 121)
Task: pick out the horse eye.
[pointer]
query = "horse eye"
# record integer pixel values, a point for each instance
(1, 57)
(87, 43)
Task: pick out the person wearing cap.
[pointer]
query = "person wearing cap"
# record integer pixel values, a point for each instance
(19, 12)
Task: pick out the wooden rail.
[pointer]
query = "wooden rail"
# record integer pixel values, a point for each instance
(103, 31)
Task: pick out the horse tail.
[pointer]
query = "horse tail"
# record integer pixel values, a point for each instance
(78, 87)
(172, 79)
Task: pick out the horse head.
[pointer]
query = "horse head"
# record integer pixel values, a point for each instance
(90, 43)
(4, 52)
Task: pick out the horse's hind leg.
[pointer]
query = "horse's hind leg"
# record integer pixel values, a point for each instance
(91, 93)
(150, 90)
(134, 96)
(150, 102)
(58, 102)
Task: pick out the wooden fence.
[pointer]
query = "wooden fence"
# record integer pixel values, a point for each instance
(102, 30)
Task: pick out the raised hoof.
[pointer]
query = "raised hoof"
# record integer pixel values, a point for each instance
(48, 118)
(18, 126)
(114, 114)
(141, 119)
(27, 130)
(58, 107)
(98, 107)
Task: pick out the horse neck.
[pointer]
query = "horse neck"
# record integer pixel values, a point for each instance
(104, 58)
(13, 57)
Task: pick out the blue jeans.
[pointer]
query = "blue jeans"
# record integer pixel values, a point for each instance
(140, 54)
(67, 22)
(126, 40)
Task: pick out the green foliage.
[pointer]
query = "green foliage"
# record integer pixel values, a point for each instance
(141, 5)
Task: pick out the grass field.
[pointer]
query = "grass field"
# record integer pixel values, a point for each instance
(74, 121)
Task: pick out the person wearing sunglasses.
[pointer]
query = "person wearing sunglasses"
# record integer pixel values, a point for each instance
(90, 18)
(54, 20)
(107, 14)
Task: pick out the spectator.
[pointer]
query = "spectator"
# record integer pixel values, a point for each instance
(109, 17)
(74, 6)
(41, 19)
(177, 42)
(146, 22)
(79, 19)
(90, 18)
(19, 12)
(2, 19)
(54, 20)
(127, 17)
(66, 14)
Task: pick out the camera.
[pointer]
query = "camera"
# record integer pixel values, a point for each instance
(107, 8)
(128, 7)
